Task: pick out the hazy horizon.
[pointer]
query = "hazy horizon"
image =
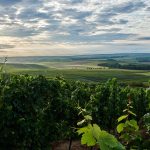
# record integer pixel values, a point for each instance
(76, 55)
(74, 27)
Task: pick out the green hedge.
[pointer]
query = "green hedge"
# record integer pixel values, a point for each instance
(35, 111)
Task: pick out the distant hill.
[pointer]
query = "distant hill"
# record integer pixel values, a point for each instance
(144, 57)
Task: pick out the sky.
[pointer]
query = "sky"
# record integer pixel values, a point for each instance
(70, 27)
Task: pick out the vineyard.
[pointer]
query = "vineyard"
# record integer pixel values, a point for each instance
(36, 111)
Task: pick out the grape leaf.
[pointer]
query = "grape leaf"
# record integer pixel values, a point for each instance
(122, 118)
(133, 123)
(130, 112)
(81, 122)
(87, 138)
(109, 142)
(82, 130)
(87, 135)
(87, 117)
(120, 127)
(96, 131)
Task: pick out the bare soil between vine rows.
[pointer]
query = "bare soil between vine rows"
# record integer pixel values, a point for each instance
(64, 145)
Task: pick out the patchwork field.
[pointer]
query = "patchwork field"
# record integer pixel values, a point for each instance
(127, 68)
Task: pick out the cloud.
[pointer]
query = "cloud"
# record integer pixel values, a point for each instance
(19, 32)
(107, 14)
(127, 7)
(92, 37)
(31, 13)
(148, 8)
(5, 46)
(144, 38)
(75, 1)
(9, 2)
(74, 21)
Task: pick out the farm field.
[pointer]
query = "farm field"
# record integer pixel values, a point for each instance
(88, 75)
(84, 68)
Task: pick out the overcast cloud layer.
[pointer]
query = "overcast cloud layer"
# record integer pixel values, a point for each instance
(68, 27)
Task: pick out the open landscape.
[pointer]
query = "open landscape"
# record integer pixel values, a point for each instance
(48, 101)
(93, 68)
(74, 74)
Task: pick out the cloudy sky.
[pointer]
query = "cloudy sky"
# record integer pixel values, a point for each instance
(68, 27)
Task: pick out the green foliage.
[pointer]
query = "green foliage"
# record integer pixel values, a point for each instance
(122, 118)
(128, 128)
(86, 118)
(146, 119)
(109, 142)
(3, 65)
(130, 66)
(35, 111)
(87, 135)
(92, 135)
